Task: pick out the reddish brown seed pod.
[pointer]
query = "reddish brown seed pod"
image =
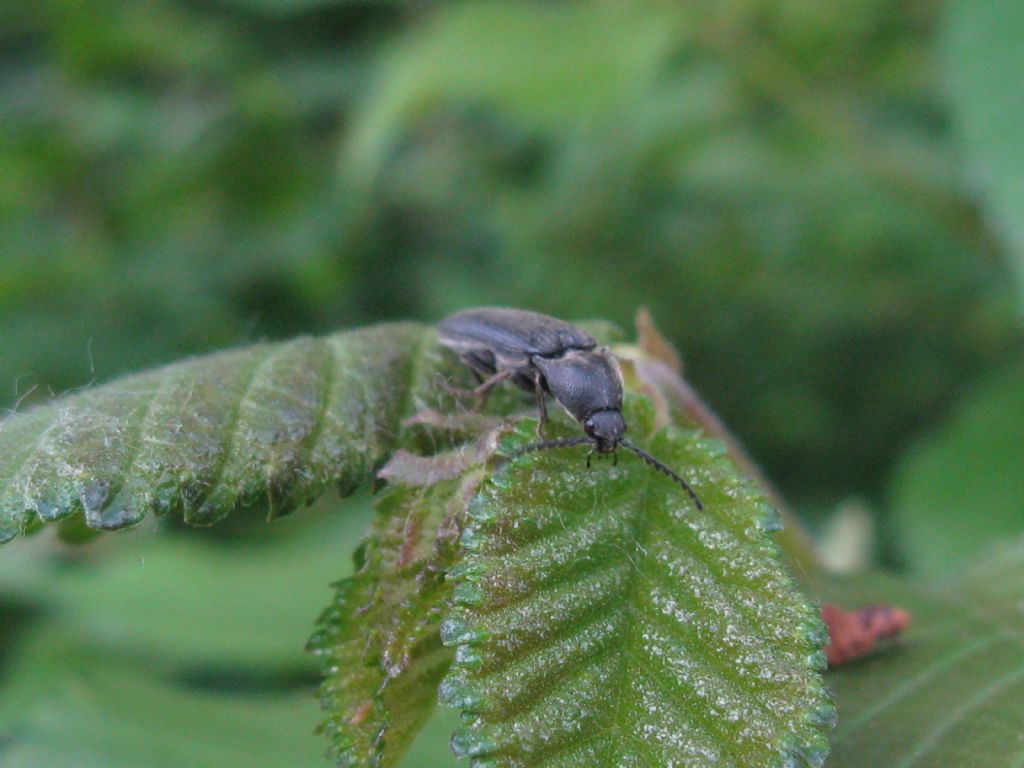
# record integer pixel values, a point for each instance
(853, 634)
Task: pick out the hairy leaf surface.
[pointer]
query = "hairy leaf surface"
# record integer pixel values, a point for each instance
(601, 620)
(950, 693)
(381, 638)
(272, 424)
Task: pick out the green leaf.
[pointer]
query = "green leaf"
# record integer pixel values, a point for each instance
(547, 64)
(70, 702)
(951, 692)
(272, 425)
(381, 638)
(959, 490)
(283, 9)
(149, 650)
(241, 606)
(985, 66)
(601, 620)
(431, 748)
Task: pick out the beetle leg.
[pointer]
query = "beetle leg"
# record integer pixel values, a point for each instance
(481, 392)
(615, 459)
(538, 391)
(588, 457)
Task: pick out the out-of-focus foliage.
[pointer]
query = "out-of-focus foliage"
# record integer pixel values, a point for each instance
(775, 179)
(952, 694)
(148, 650)
(963, 486)
(986, 69)
(166, 652)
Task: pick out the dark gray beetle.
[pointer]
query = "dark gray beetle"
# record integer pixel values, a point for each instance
(544, 355)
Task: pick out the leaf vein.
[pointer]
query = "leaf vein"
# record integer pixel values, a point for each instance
(563, 675)
(324, 350)
(950, 721)
(232, 427)
(908, 686)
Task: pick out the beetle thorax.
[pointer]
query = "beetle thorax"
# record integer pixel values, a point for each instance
(583, 382)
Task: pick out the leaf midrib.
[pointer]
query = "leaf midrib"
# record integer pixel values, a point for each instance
(640, 542)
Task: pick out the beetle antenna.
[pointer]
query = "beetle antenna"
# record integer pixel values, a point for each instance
(543, 445)
(665, 470)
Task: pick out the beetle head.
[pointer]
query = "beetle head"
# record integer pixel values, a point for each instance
(605, 428)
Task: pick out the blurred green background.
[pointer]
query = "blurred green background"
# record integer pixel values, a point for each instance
(820, 203)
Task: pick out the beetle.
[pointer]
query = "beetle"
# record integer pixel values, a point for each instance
(545, 355)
